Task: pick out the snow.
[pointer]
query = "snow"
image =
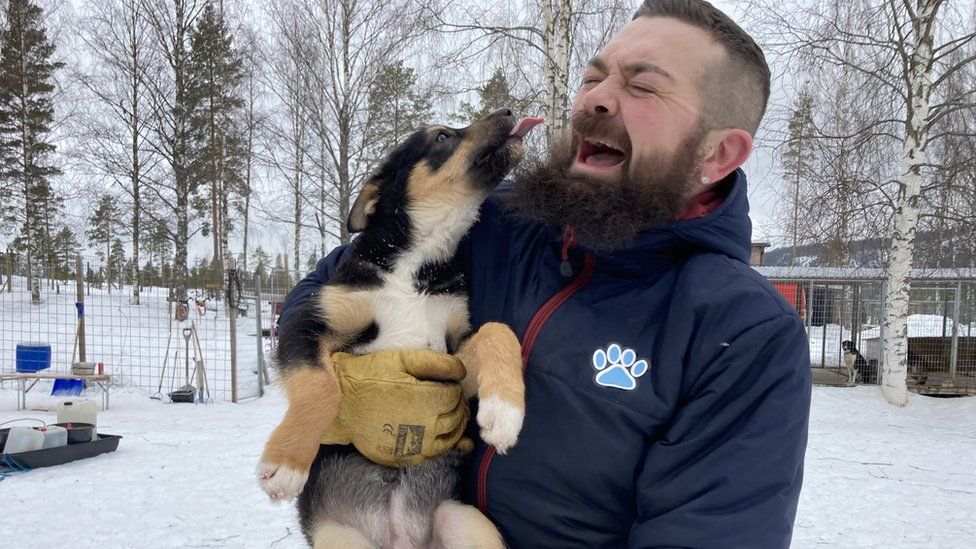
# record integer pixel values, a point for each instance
(181, 477)
(875, 476)
(827, 353)
(923, 326)
(881, 476)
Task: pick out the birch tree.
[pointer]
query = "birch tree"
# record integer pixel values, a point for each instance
(172, 23)
(910, 49)
(118, 40)
(549, 40)
(286, 136)
(355, 42)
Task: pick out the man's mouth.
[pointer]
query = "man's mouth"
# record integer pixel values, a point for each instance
(598, 153)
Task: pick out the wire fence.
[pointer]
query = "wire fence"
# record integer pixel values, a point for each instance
(224, 329)
(844, 321)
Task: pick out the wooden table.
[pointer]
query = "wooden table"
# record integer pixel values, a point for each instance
(104, 381)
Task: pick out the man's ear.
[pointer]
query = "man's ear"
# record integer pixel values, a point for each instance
(363, 207)
(729, 149)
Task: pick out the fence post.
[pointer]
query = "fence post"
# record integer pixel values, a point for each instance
(80, 307)
(232, 315)
(956, 309)
(10, 271)
(881, 331)
(260, 335)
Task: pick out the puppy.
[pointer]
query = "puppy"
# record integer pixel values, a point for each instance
(399, 287)
(853, 360)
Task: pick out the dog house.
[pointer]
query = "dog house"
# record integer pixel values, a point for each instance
(840, 305)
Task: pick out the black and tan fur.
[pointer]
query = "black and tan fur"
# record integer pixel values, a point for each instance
(399, 286)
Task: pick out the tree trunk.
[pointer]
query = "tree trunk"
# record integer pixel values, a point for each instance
(134, 130)
(894, 373)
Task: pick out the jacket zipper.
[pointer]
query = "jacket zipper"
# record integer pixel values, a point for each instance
(528, 341)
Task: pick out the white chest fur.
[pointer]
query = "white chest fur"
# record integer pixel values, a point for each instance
(408, 319)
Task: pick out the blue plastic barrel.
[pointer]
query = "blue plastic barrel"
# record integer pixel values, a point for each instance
(33, 357)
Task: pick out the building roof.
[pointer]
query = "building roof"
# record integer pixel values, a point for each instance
(861, 273)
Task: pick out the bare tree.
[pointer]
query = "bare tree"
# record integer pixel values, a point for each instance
(253, 124)
(286, 134)
(118, 40)
(909, 49)
(171, 23)
(551, 40)
(326, 58)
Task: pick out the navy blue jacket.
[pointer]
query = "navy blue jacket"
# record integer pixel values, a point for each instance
(667, 386)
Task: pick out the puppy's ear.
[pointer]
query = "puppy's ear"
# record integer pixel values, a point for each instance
(363, 207)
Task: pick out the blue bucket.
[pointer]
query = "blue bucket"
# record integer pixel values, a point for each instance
(33, 357)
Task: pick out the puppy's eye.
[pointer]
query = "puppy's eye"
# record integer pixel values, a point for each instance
(442, 136)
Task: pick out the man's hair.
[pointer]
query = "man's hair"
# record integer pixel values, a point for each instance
(734, 93)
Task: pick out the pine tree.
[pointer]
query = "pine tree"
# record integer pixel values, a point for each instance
(101, 231)
(117, 262)
(262, 262)
(796, 160)
(26, 114)
(65, 247)
(493, 95)
(396, 107)
(217, 141)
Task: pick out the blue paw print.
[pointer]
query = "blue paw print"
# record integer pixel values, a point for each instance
(618, 368)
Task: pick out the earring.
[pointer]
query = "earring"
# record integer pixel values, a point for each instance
(704, 180)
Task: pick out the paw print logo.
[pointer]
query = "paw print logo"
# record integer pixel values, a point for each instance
(618, 368)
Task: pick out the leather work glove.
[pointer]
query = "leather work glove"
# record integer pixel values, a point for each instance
(400, 407)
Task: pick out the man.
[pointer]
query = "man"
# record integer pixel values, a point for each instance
(667, 384)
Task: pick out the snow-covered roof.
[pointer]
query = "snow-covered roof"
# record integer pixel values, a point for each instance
(759, 236)
(860, 273)
(923, 326)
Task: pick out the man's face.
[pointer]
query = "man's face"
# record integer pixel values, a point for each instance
(632, 156)
(645, 84)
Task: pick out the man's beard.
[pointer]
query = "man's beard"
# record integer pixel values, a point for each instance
(607, 215)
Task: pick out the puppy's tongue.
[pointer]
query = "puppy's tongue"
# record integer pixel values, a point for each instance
(524, 126)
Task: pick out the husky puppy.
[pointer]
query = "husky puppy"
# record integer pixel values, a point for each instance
(399, 287)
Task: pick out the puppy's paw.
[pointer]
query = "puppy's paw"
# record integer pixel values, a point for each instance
(500, 423)
(281, 483)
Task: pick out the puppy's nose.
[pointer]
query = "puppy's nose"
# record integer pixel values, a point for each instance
(503, 112)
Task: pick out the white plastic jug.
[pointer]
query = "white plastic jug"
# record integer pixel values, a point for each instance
(24, 439)
(54, 436)
(77, 411)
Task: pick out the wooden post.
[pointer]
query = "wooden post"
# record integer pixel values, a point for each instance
(954, 358)
(80, 307)
(10, 271)
(232, 315)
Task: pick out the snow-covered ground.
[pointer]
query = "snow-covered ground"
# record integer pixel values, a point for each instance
(876, 476)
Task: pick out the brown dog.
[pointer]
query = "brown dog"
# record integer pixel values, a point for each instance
(399, 287)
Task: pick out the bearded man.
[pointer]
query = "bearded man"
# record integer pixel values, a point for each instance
(667, 383)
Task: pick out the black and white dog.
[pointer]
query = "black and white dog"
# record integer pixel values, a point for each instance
(400, 288)
(854, 361)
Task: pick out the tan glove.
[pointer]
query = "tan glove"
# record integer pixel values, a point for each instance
(400, 407)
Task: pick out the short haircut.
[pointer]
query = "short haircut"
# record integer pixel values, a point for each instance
(735, 93)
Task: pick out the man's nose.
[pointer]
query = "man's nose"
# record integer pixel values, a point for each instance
(600, 100)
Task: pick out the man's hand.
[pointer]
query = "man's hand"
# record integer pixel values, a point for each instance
(400, 407)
